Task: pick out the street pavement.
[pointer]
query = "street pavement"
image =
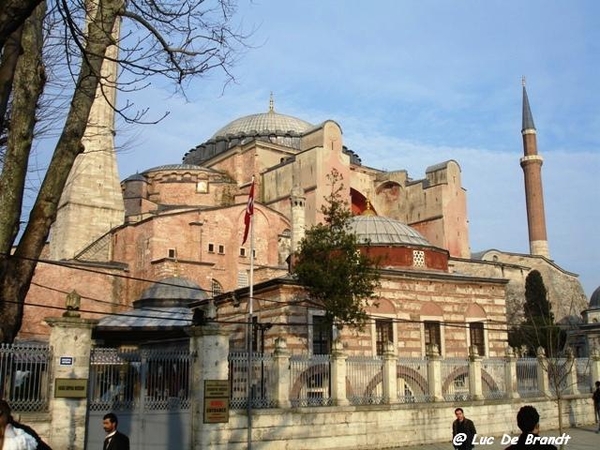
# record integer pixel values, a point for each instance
(582, 438)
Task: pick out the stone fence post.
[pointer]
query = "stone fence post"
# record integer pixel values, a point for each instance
(594, 366)
(510, 373)
(434, 373)
(211, 345)
(542, 372)
(338, 374)
(280, 386)
(571, 373)
(70, 343)
(390, 380)
(475, 385)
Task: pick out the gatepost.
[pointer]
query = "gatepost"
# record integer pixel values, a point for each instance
(434, 373)
(211, 345)
(390, 380)
(70, 343)
(475, 384)
(510, 373)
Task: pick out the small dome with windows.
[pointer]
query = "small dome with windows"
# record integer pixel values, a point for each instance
(378, 230)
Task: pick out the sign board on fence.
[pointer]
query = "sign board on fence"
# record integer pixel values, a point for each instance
(70, 388)
(216, 401)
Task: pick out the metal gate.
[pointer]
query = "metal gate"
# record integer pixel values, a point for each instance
(148, 390)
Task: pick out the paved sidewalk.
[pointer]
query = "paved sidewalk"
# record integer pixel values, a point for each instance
(582, 438)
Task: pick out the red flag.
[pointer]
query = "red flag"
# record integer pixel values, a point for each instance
(249, 211)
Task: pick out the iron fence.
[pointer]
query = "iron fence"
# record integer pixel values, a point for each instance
(412, 381)
(493, 372)
(527, 381)
(144, 379)
(455, 379)
(365, 377)
(260, 384)
(310, 380)
(25, 376)
(584, 376)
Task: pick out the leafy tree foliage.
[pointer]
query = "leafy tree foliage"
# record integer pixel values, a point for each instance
(337, 275)
(539, 328)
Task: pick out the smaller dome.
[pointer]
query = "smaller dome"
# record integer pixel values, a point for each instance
(173, 291)
(595, 299)
(176, 167)
(380, 230)
(135, 177)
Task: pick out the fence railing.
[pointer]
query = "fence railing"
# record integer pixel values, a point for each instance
(261, 381)
(365, 378)
(412, 381)
(584, 375)
(455, 379)
(142, 379)
(527, 377)
(154, 380)
(310, 380)
(25, 375)
(493, 372)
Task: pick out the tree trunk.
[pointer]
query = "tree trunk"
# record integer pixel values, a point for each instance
(13, 14)
(17, 269)
(8, 66)
(28, 84)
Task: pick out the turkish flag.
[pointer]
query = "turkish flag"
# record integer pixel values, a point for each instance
(249, 212)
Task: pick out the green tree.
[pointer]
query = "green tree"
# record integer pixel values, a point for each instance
(333, 266)
(539, 328)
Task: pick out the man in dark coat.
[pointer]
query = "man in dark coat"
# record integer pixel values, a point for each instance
(114, 440)
(463, 431)
(596, 398)
(528, 421)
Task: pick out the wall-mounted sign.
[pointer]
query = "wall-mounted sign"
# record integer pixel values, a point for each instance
(216, 401)
(70, 388)
(65, 361)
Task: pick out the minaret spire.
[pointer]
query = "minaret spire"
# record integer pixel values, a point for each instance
(531, 163)
(92, 202)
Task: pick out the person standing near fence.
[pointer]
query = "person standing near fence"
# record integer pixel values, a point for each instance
(596, 398)
(463, 431)
(13, 438)
(114, 440)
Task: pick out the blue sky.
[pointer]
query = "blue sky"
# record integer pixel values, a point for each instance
(414, 83)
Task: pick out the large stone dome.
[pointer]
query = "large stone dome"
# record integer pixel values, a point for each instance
(264, 123)
(380, 230)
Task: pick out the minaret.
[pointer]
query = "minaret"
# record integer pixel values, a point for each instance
(298, 205)
(92, 203)
(531, 163)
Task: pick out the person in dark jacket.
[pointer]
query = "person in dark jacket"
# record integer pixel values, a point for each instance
(114, 440)
(463, 431)
(596, 398)
(528, 421)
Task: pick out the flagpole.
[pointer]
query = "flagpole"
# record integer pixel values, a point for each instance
(250, 215)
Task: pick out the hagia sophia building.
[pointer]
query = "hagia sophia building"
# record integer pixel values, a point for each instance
(147, 247)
